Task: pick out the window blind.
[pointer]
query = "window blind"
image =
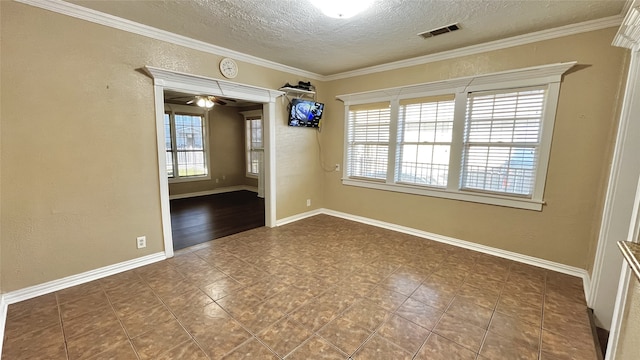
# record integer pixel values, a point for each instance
(368, 141)
(501, 140)
(425, 129)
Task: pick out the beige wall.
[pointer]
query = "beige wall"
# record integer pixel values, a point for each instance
(629, 343)
(83, 162)
(226, 153)
(83, 159)
(565, 231)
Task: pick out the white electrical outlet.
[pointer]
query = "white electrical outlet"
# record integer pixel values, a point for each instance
(141, 242)
(217, 180)
(337, 167)
(224, 178)
(308, 202)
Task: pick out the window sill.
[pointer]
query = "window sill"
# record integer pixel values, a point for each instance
(252, 176)
(481, 198)
(189, 179)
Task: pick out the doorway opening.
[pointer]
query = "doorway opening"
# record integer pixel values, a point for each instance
(167, 80)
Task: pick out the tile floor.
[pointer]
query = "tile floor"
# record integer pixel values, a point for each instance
(322, 288)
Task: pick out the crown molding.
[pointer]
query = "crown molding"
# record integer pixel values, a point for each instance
(548, 34)
(97, 17)
(79, 12)
(628, 35)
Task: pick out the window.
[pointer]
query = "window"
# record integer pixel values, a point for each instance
(185, 142)
(254, 147)
(368, 142)
(425, 130)
(483, 139)
(502, 136)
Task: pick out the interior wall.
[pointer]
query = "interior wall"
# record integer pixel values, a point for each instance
(83, 162)
(629, 342)
(566, 230)
(226, 153)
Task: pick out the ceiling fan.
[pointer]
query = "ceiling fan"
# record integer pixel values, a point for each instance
(203, 101)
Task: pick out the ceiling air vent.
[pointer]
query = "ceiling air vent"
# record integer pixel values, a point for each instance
(439, 31)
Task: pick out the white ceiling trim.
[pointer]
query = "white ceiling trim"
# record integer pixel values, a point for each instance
(548, 34)
(97, 17)
(115, 22)
(175, 80)
(628, 35)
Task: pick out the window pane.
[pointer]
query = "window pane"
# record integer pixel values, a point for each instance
(167, 132)
(169, 162)
(502, 135)
(189, 132)
(368, 141)
(191, 163)
(426, 130)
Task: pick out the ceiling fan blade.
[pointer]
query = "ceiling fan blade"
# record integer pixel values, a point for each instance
(190, 101)
(220, 102)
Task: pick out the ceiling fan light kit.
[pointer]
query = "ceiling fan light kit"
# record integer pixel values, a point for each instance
(341, 9)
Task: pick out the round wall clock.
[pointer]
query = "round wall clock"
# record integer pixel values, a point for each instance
(228, 68)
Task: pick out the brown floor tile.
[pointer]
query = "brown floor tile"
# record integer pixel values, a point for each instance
(260, 317)
(467, 310)
(120, 351)
(365, 291)
(39, 318)
(162, 338)
(316, 348)
(385, 298)
(101, 318)
(345, 335)
(78, 291)
(366, 314)
(515, 306)
(419, 313)
(144, 299)
(558, 347)
(252, 349)
(96, 342)
(497, 346)
(460, 332)
(146, 320)
(83, 305)
(438, 296)
(32, 305)
(378, 348)
(47, 343)
(486, 298)
(438, 348)
(284, 336)
(188, 350)
(403, 333)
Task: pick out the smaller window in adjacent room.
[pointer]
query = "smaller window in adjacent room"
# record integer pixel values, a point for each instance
(185, 142)
(254, 145)
(368, 141)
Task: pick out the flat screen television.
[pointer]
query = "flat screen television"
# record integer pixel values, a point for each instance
(305, 113)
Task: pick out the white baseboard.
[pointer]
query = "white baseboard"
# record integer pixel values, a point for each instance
(214, 191)
(301, 216)
(73, 280)
(3, 321)
(530, 260)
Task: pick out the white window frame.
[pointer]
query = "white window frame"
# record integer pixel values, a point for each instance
(544, 75)
(248, 117)
(195, 111)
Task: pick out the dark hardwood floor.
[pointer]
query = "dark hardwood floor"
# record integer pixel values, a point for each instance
(199, 219)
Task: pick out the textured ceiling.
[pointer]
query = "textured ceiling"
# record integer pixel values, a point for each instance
(294, 33)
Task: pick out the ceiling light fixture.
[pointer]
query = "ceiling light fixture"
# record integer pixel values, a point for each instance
(342, 9)
(204, 102)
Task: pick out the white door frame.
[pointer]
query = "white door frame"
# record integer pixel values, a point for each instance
(168, 79)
